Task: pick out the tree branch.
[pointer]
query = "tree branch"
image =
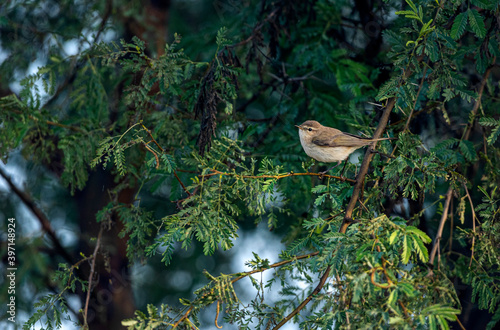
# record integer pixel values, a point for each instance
(258, 27)
(48, 122)
(465, 137)
(318, 288)
(277, 177)
(478, 101)
(474, 218)
(364, 167)
(275, 265)
(416, 97)
(368, 157)
(91, 276)
(46, 227)
(441, 225)
(374, 282)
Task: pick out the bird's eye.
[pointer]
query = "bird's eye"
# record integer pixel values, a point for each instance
(310, 129)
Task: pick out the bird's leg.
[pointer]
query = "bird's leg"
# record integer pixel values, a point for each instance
(342, 173)
(331, 168)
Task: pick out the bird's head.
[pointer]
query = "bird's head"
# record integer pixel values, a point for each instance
(309, 128)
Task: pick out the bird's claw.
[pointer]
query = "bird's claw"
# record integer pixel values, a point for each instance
(321, 174)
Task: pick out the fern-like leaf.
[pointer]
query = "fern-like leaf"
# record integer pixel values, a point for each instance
(459, 24)
(477, 23)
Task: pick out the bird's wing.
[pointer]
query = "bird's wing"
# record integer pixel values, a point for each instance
(340, 140)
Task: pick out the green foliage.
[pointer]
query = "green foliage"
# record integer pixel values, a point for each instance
(156, 318)
(210, 215)
(418, 15)
(52, 309)
(491, 122)
(198, 143)
(438, 315)
(415, 171)
(219, 289)
(411, 239)
(485, 262)
(475, 20)
(459, 24)
(13, 128)
(477, 23)
(139, 227)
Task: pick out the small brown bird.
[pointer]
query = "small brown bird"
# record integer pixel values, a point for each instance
(329, 145)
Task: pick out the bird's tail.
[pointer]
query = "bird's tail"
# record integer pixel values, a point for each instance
(382, 139)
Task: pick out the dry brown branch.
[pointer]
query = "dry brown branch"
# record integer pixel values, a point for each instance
(374, 271)
(441, 225)
(91, 276)
(474, 218)
(364, 167)
(53, 123)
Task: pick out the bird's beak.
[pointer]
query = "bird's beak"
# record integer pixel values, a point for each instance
(298, 126)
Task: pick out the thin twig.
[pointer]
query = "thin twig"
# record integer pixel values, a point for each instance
(277, 177)
(404, 308)
(478, 100)
(450, 241)
(154, 154)
(185, 316)
(91, 276)
(372, 279)
(474, 218)
(416, 97)
(441, 225)
(460, 324)
(466, 136)
(275, 265)
(255, 29)
(48, 122)
(163, 151)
